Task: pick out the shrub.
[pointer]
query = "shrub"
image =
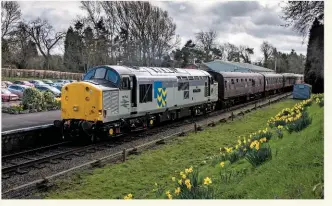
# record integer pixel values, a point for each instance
(258, 156)
(48, 97)
(32, 99)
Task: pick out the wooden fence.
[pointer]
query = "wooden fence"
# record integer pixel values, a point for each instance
(43, 74)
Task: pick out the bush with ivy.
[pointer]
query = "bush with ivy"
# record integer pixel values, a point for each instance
(32, 99)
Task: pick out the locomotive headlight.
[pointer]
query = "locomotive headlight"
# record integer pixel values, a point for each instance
(75, 108)
(111, 131)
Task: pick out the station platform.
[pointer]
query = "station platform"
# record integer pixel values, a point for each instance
(18, 121)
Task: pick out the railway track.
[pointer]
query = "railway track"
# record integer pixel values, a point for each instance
(56, 153)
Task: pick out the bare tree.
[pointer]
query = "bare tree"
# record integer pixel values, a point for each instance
(245, 52)
(10, 17)
(44, 37)
(267, 50)
(207, 41)
(232, 52)
(301, 14)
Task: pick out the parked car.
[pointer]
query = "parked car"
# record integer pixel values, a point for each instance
(59, 87)
(5, 84)
(47, 81)
(26, 83)
(72, 80)
(63, 81)
(17, 89)
(53, 90)
(7, 96)
(37, 82)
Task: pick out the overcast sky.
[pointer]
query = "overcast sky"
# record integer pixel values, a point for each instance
(238, 22)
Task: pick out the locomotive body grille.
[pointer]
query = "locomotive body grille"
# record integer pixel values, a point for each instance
(111, 101)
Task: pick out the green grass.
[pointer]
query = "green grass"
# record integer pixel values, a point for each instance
(292, 173)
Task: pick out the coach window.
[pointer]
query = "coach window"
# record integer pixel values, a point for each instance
(253, 82)
(232, 81)
(237, 80)
(245, 79)
(145, 93)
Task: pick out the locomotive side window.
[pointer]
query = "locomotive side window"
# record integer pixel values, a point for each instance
(183, 86)
(186, 95)
(145, 93)
(125, 83)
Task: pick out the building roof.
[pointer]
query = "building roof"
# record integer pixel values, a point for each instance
(227, 66)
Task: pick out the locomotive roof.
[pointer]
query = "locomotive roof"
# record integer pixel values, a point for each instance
(157, 71)
(240, 74)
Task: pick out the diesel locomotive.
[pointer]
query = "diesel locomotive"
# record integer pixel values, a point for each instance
(111, 100)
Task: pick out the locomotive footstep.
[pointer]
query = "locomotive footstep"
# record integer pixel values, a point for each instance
(182, 134)
(199, 128)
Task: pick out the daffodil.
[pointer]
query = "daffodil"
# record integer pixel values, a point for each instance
(222, 164)
(207, 181)
(187, 183)
(184, 176)
(173, 179)
(180, 182)
(177, 191)
(128, 197)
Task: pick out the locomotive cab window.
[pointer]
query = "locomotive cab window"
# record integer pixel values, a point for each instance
(103, 75)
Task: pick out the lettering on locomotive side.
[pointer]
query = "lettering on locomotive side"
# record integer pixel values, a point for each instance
(125, 101)
(196, 90)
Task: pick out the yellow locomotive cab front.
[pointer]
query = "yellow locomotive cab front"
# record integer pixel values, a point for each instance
(81, 101)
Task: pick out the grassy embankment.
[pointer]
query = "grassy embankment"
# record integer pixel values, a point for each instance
(294, 170)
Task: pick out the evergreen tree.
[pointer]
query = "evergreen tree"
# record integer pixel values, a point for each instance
(73, 50)
(314, 66)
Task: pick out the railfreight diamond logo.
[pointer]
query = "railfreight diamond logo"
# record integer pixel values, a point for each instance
(160, 93)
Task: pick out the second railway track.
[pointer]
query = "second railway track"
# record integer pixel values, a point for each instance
(113, 149)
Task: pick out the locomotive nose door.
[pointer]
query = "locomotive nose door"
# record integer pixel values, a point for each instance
(125, 96)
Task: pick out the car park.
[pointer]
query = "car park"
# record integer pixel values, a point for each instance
(56, 92)
(26, 83)
(7, 96)
(17, 89)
